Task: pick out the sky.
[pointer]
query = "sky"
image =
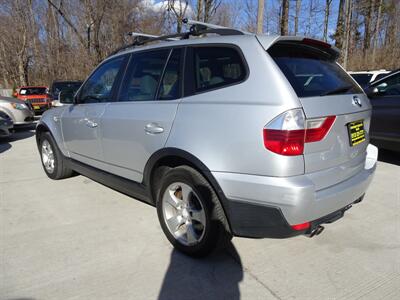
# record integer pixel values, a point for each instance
(272, 12)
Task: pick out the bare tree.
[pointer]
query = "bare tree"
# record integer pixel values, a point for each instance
(296, 17)
(347, 34)
(339, 34)
(260, 16)
(326, 19)
(377, 29)
(285, 17)
(178, 8)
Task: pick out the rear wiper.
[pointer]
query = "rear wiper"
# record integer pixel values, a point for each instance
(339, 90)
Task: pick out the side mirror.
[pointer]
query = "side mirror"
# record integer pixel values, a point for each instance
(66, 97)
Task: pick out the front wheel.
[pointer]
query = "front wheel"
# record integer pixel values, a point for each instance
(190, 213)
(52, 159)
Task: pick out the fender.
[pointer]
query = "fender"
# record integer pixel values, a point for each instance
(51, 121)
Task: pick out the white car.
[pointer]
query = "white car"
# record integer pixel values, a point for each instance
(365, 77)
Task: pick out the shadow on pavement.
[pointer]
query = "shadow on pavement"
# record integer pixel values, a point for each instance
(390, 157)
(4, 145)
(20, 133)
(213, 277)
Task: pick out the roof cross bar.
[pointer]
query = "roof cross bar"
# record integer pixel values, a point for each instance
(196, 29)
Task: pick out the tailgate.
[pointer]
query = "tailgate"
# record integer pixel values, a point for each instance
(325, 89)
(334, 155)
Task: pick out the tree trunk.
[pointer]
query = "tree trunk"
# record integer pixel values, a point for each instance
(285, 17)
(340, 26)
(326, 19)
(296, 17)
(377, 29)
(260, 16)
(199, 13)
(347, 35)
(367, 27)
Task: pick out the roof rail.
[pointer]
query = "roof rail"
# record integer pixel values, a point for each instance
(196, 29)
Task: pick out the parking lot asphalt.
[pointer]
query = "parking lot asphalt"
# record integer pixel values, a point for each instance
(76, 239)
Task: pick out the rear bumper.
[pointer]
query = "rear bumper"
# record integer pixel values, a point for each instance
(260, 206)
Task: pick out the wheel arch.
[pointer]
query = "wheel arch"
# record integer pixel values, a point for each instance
(173, 157)
(40, 128)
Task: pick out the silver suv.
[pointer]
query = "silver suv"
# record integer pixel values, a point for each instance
(228, 135)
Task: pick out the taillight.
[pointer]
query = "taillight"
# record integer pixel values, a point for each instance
(318, 128)
(287, 133)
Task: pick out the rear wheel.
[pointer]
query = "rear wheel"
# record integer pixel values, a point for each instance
(190, 213)
(53, 161)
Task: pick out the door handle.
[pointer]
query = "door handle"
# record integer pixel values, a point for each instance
(91, 124)
(153, 128)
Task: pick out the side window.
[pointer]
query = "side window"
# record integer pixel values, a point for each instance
(99, 86)
(170, 85)
(389, 87)
(143, 75)
(216, 67)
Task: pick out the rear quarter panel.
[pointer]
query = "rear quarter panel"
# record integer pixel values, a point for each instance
(224, 128)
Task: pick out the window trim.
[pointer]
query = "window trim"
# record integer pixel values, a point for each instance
(181, 71)
(117, 81)
(190, 80)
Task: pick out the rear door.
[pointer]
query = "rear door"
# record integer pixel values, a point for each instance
(325, 89)
(139, 123)
(385, 100)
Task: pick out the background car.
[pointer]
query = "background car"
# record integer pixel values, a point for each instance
(20, 112)
(364, 78)
(37, 96)
(63, 86)
(6, 124)
(384, 95)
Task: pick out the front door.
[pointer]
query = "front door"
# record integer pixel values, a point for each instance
(385, 100)
(81, 122)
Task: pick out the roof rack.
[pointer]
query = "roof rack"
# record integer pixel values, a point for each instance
(196, 29)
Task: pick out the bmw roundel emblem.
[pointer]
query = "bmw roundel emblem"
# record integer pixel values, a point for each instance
(357, 101)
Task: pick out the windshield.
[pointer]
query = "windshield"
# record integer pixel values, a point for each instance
(32, 91)
(310, 71)
(63, 86)
(380, 76)
(362, 79)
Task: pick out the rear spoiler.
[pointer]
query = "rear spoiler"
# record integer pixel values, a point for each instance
(267, 41)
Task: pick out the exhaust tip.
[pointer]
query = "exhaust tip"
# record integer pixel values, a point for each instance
(317, 231)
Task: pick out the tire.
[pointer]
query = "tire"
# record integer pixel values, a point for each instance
(48, 150)
(190, 213)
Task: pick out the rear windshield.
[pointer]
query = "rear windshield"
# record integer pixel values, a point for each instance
(310, 71)
(32, 91)
(362, 79)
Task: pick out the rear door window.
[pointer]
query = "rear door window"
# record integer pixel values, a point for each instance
(143, 75)
(217, 67)
(310, 71)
